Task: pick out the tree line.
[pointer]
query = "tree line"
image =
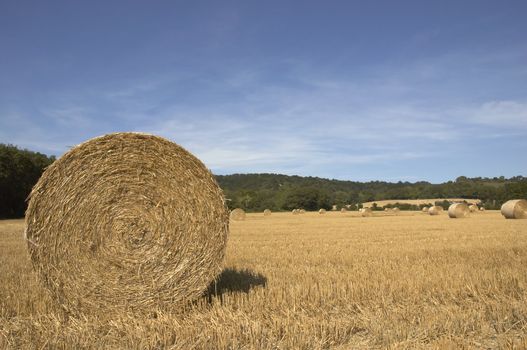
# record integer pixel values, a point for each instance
(20, 169)
(256, 192)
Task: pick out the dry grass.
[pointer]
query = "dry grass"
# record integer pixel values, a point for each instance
(334, 281)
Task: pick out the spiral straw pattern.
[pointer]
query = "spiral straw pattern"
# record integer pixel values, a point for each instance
(126, 221)
(514, 209)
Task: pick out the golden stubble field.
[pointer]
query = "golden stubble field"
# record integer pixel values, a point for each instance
(333, 281)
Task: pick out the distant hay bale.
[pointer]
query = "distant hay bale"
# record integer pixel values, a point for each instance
(126, 222)
(295, 211)
(267, 212)
(301, 211)
(396, 210)
(425, 209)
(387, 209)
(473, 208)
(366, 212)
(237, 214)
(458, 211)
(343, 210)
(322, 211)
(435, 210)
(514, 209)
(334, 207)
(481, 209)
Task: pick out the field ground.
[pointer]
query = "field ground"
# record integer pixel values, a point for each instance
(333, 281)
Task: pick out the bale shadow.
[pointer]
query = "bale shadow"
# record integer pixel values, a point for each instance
(234, 280)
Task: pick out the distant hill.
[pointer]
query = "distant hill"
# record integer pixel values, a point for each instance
(420, 202)
(256, 192)
(20, 169)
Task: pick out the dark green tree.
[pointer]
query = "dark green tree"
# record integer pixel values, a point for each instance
(19, 172)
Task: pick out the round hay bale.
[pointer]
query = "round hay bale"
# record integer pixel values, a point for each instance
(126, 222)
(481, 209)
(267, 212)
(301, 211)
(396, 210)
(514, 209)
(434, 210)
(387, 209)
(237, 214)
(343, 210)
(473, 208)
(458, 210)
(425, 209)
(295, 211)
(322, 211)
(366, 212)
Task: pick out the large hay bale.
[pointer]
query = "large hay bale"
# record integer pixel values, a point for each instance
(267, 212)
(343, 210)
(425, 209)
(295, 211)
(301, 211)
(396, 210)
(366, 212)
(473, 208)
(514, 209)
(237, 214)
(481, 209)
(126, 222)
(435, 210)
(458, 210)
(322, 211)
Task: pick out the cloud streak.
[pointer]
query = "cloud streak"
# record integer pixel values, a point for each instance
(359, 112)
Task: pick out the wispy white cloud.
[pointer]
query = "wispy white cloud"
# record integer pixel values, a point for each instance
(310, 122)
(506, 114)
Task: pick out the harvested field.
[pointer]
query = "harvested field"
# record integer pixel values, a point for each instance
(334, 281)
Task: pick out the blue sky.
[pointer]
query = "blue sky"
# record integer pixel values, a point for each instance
(358, 90)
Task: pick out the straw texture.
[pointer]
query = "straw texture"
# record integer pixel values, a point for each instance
(237, 214)
(515, 209)
(126, 221)
(366, 212)
(435, 210)
(458, 211)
